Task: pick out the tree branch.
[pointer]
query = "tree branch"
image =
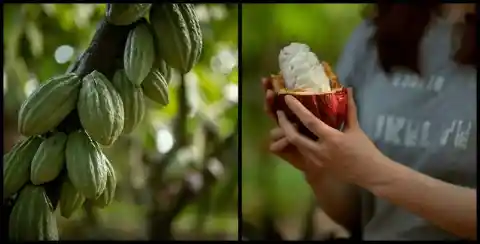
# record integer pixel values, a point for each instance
(158, 216)
(187, 194)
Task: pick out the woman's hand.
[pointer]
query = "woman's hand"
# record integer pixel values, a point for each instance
(340, 153)
(280, 146)
(336, 198)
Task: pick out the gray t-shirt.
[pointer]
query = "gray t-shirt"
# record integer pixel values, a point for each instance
(427, 123)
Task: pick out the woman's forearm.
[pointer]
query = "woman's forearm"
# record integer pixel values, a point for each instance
(450, 207)
(339, 200)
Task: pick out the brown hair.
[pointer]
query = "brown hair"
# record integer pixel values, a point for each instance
(400, 28)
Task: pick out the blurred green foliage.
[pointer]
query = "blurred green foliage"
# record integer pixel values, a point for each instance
(33, 34)
(268, 184)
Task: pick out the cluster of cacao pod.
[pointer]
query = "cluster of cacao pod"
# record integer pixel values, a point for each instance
(105, 109)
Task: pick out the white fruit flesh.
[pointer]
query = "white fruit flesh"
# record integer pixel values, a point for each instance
(302, 70)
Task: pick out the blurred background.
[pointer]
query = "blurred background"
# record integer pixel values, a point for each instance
(276, 201)
(165, 189)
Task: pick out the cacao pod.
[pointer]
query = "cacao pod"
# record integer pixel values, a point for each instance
(177, 30)
(159, 63)
(16, 165)
(100, 109)
(132, 99)
(125, 14)
(156, 88)
(47, 106)
(109, 193)
(70, 199)
(164, 69)
(313, 84)
(139, 54)
(85, 165)
(49, 159)
(32, 217)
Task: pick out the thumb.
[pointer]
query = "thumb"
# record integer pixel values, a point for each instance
(352, 119)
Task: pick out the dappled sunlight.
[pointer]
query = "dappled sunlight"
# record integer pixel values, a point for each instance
(207, 13)
(30, 86)
(193, 94)
(5, 83)
(63, 54)
(231, 92)
(224, 61)
(164, 140)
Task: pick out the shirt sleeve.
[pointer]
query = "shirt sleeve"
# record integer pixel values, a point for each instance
(347, 67)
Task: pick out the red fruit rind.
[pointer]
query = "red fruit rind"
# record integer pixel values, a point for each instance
(330, 107)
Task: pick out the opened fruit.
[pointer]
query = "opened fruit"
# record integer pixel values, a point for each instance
(312, 83)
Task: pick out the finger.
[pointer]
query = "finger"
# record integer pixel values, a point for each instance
(293, 136)
(279, 145)
(269, 96)
(352, 119)
(266, 83)
(278, 133)
(268, 104)
(315, 125)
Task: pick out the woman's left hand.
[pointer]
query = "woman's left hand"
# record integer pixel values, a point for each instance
(345, 154)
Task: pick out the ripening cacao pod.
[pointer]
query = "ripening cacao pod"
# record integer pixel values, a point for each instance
(100, 109)
(125, 14)
(178, 34)
(109, 193)
(156, 88)
(32, 217)
(139, 54)
(85, 165)
(70, 199)
(132, 99)
(47, 106)
(49, 159)
(16, 165)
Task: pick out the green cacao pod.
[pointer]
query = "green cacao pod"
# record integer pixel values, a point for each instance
(139, 54)
(16, 165)
(125, 14)
(32, 217)
(49, 159)
(156, 88)
(132, 99)
(159, 63)
(100, 109)
(109, 193)
(47, 106)
(164, 69)
(177, 29)
(85, 165)
(70, 199)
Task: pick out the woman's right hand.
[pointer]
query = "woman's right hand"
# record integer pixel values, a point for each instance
(336, 204)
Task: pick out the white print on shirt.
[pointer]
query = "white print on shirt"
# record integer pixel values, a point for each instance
(433, 83)
(400, 131)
